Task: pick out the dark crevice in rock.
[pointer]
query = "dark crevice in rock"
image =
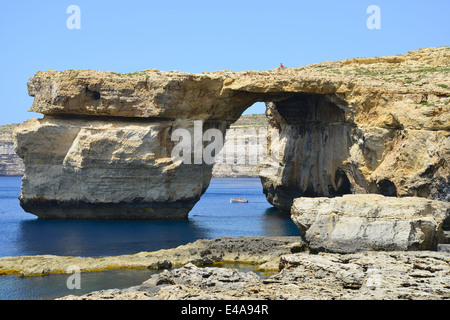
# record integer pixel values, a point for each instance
(342, 183)
(94, 95)
(387, 188)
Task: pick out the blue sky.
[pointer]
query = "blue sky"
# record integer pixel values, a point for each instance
(196, 36)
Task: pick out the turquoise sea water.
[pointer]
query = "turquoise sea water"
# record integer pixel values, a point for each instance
(213, 216)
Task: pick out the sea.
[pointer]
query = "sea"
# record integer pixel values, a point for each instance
(212, 217)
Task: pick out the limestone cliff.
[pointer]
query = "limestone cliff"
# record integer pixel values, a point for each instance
(250, 128)
(10, 163)
(374, 125)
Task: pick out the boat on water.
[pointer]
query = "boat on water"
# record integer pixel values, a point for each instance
(238, 200)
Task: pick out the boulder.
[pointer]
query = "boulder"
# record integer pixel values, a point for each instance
(353, 223)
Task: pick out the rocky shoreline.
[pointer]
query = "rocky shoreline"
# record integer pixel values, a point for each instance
(303, 276)
(296, 273)
(261, 251)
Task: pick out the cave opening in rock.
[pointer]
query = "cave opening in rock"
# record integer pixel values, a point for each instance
(387, 188)
(342, 183)
(94, 95)
(313, 144)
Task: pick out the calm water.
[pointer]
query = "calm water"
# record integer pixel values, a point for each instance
(213, 216)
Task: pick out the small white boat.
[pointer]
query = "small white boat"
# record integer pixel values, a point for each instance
(238, 200)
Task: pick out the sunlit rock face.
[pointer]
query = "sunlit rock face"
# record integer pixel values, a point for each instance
(326, 149)
(104, 147)
(353, 223)
(94, 169)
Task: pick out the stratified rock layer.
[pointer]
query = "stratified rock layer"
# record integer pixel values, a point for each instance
(355, 223)
(95, 169)
(375, 125)
(10, 163)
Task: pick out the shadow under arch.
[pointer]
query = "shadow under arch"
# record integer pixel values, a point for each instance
(279, 223)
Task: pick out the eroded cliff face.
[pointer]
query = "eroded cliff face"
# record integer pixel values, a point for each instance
(385, 131)
(315, 140)
(325, 150)
(377, 125)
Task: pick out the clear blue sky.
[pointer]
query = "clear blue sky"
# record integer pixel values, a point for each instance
(196, 36)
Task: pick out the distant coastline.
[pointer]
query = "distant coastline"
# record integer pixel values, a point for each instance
(10, 163)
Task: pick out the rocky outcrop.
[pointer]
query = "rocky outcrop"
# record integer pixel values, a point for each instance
(361, 276)
(262, 252)
(239, 167)
(355, 223)
(98, 169)
(285, 271)
(384, 131)
(376, 125)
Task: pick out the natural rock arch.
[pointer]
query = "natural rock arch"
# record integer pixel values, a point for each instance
(102, 149)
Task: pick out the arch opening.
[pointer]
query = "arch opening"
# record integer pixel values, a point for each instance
(312, 142)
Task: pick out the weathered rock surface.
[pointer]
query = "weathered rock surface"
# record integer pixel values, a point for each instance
(353, 223)
(263, 252)
(295, 273)
(375, 125)
(367, 275)
(385, 130)
(238, 166)
(91, 169)
(240, 152)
